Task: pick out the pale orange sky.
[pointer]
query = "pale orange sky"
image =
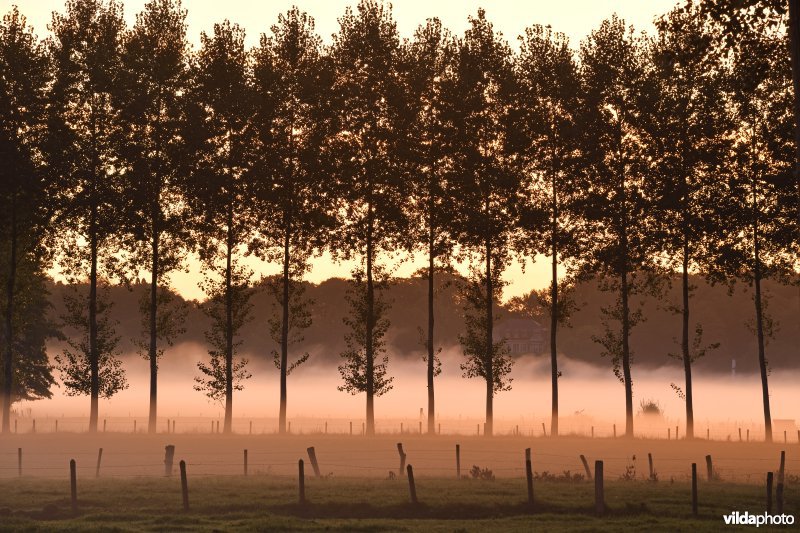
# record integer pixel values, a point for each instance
(576, 18)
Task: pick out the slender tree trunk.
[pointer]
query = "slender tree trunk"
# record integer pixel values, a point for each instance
(431, 354)
(94, 356)
(8, 360)
(229, 323)
(284, 328)
(554, 312)
(153, 351)
(794, 40)
(369, 348)
(762, 360)
(626, 358)
(687, 357)
(488, 364)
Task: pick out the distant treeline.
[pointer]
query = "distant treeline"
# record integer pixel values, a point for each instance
(642, 166)
(724, 315)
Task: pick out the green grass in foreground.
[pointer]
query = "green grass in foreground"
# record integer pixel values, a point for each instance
(265, 503)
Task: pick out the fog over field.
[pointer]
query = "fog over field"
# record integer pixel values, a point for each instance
(590, 396)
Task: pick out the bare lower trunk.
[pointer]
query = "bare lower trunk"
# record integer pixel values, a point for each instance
(94, 356)
(687, 357)
(8, 360)
(369, 349)
(153, 351)
(284, 333)
(488, 364)
(229, 327)
(626, 358)
(554, 314)
(762, 360)
(431, 354)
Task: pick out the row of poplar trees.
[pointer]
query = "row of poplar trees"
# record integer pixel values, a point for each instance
(124, 150)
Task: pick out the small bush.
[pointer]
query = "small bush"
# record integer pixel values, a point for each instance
(481, 473)
(650, 408)
(630, 471)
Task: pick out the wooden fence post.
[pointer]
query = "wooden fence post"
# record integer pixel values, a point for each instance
(173, 425)
(592, 431)
(402, 458)
(19, 461)
(740, 434)
(599, 496)
(544, 430)
(529, 475)
(312, 455)
(420, 427)
(167, 425)
(184, 485)
(73, 485)
(169, 455)
(412, 488)
(779, 498)
(34, 426)
(769, 492)
(709, 468)
(302, 480)
(586, 467)
(782, 466)
(694, 489)
(251, 427)
(56, 425)
(99, 458)
(245, 461)
(615, 431)
(669, 434)
(326, 427)
(650, 464)
(458, 461)
(748, 434)
(104, 426)
(351, 427)
(676, 433)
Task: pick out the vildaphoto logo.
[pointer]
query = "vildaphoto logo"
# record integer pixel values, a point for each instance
(746, 519)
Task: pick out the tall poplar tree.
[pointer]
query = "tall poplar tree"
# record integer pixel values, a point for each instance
(429, 56)
(154, 78)
(220, 193)
(689, 127)
(82, 150)
(613, 61)
(372, 115)
(486, 185)
(547, 107)
(24, 215)
(758, 211)
(290, 119)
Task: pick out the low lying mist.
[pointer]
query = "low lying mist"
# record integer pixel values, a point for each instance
(591, 398)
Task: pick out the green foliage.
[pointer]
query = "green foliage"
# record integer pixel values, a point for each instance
(354, 369)
(75, 363)
(229, 309)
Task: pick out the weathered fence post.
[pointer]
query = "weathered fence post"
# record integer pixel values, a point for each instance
(351, 427)
(402, 458)
(412, 488)
(169, 455)
(740, 434)
(529, 475)
(34, 426)
(676, 433)
(326, 427)
(708, 434)
(217, 426)
(599, 496)
(173, 425)
(615, 431)
(420, 427)
(544, 431)
(769, 492)
(73, 485)
(167, 425)
(104, 426)
(779, 498)
(56, 425)
(586, 467)
(650, 464)
(440, 428)
(709, 468)
(19, 461)
(302, 480)
(458, 461)
(312, 455)
(592, 431)
(184, 485)
(99, 458)
(782, 466)
(245, 461)
(694, 489)
(669, 434)
(748, 434)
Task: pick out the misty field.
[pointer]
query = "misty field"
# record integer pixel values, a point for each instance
(360, 489)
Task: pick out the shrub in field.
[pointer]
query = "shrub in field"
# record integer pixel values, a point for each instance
(481, 473)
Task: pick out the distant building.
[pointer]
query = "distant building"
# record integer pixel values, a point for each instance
(522, 335)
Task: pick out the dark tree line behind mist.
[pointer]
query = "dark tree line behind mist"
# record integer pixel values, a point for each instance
(644, 166)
